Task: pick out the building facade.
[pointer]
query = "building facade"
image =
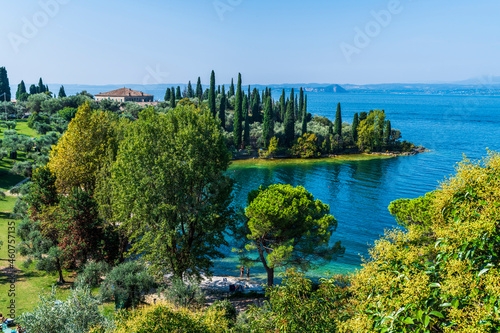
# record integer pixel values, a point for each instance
(125, 95)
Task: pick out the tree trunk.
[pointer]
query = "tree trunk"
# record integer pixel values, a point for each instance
(59, 269)
(270, 276)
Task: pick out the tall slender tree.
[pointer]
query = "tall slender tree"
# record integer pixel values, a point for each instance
(301, 103)
(218, 89)
(33, 89)
(4, 84)
(387, 134)
(167, 95)
(289, 124)
(296, 108)
(238, 115)
(282, 106)
(231, 88)
(337, 128)
(268, 124)
(222, 108)
(199, 89)
(304, 125)
(172, 99)
(62, 93)
(190, 93)
(21, 89)
(246, 132)
(211, 95)
(178, 93)
(41, 86)
(354, 128)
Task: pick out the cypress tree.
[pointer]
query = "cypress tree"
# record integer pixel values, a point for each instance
(301, 103)
(172, 99)
(238, 115)
(199, 89)
(21, 89)
(178, 93)
(231, 88)
(249, 92)
(256, 116)
(47, 88)
(387, 134)
(296, 108)
(4, 85)
(41, 86)
(269, 92)
(167, 95)
(190, 93)
(337, 129)
(222, 109)
(355, 123)
(218, 89)
(246, 133)
(304, 125)
(33, 89)
(62, 93)
(289, 124)
(282, 106)
(211, 95)
(268, 124)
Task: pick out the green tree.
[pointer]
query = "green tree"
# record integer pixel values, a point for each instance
(171, 192)
(231, 88)
(287, 226)
(289, 124)
(282, 106)
(301, 104)
(33, 90)
(178, 95)
(21, 89)
(387, 134)
(82, 151)
(190, 92)
(211, 95)
(167, 95)
(354, 127)
(370, 131)
(268, 125)
(222, 108)
(304, 124)
(238, 115)
(127, 283)
(337, 127)
(4, 84)
(41, 87)
(172, 99)
(62, 93)
(199, 90)
(246, 132)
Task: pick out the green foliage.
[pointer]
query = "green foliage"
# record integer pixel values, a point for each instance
(288, 227)
(127, 283)
(238, 115)
(289, 124)
(222, 109)
(246, 132)
(211, 96)
(227, 308)
(337, 129)
(354, 128)
(4, 84)
(370, 132)
(91, 274)
(62, 93)
(440, 274)
(294, 306)
(185, 294)
(170, 191)
(79, 313)
(306, 146)
(268, 125)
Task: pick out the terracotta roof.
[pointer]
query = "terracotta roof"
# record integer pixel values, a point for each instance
(123, 92)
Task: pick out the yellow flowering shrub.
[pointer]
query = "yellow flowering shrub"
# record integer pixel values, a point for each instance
(441, 273)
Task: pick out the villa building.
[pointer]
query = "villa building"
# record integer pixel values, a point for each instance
(125, 95)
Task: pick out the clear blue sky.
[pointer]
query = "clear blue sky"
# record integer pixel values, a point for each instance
(153, 41)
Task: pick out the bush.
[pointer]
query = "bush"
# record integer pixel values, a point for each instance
(441, 273)
(127, 283)
(185, 294)
(77, 314)
(91, 274)
(227, 308)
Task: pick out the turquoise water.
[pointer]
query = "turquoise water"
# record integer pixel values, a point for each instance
(359, 191)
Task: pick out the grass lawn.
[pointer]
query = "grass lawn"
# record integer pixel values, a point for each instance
(22, 128)
(7, 180)
(29, 282)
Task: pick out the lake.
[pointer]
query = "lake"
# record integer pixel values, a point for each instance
(359, 190)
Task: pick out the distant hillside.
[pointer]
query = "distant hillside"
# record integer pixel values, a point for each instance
(334, 88)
